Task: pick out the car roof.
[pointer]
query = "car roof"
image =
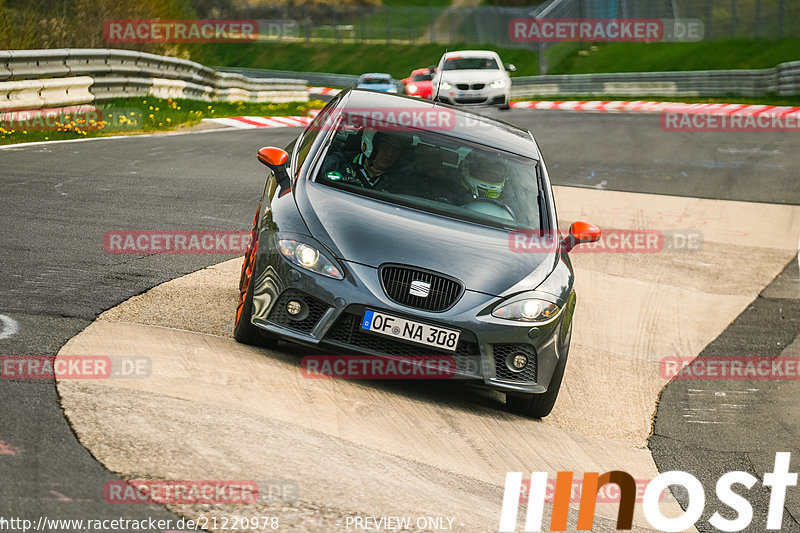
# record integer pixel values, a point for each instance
(468, 125)
(471, 53)
(376, 75)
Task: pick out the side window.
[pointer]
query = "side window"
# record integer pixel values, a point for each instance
(313, 131)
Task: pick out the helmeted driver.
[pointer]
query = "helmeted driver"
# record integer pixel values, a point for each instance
(482, 176)
(372, 166)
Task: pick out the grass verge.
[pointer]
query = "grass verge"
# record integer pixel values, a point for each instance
(128, 116)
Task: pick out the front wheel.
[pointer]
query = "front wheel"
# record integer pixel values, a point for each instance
(243, 329)
(538, 405)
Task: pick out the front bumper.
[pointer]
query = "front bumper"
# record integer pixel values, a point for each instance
(334, 309)
(482, 97)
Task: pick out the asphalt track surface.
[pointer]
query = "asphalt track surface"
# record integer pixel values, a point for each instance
(57, 201)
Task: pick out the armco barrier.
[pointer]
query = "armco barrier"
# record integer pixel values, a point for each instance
(783, 80)
(34, 94)
(110, 87)
(28, 78)
(321, 79)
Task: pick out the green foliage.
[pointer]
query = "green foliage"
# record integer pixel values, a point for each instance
(346, 58)
(703, 55)
(136, 115)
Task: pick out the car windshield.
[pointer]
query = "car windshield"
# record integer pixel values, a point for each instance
(422, 77)
(432, 172)
(375, 81)
(470, 63)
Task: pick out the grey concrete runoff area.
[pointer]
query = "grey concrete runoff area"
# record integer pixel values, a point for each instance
(215, 409)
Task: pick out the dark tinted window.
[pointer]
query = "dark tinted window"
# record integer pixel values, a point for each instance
(470, 63)
(375, 81)
(311, 133)
(433, 172)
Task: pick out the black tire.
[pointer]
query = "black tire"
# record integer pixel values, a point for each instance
(538, 405)
(243, 329)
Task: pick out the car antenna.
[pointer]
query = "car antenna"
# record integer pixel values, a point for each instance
(439, 85)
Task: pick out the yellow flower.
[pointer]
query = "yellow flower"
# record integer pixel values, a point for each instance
(152, 116)
(156, 109)
(151, 108)
(169, 120)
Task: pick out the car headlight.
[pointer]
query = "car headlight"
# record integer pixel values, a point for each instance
(308, 257)
(498, 84)
(411, 89)
(527, 310)
(446, 86)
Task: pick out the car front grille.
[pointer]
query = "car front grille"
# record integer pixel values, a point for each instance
(466, 86)
(503, 372)
(347, 333)
(305, 322)
(443, 293)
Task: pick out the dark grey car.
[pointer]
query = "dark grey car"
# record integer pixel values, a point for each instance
(441, 240)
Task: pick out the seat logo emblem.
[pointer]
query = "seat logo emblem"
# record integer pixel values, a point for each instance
(420, 288)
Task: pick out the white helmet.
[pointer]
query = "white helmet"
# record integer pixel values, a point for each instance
(483, 176)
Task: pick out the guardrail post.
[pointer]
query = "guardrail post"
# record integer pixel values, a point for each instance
(336, 36)
(758, 19)
(430, 25)
(450, 25)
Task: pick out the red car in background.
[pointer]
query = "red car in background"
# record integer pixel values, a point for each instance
(419, 83)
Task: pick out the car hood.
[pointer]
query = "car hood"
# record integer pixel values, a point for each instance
(372, 232)
(473, 76)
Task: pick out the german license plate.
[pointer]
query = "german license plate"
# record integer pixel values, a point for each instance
(409, 330)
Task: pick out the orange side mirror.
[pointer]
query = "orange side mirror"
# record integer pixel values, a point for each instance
(580, 232)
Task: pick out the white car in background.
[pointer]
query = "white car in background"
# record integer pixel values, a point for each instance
(473, 77)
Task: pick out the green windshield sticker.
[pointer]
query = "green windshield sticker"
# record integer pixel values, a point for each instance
(333, 175)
